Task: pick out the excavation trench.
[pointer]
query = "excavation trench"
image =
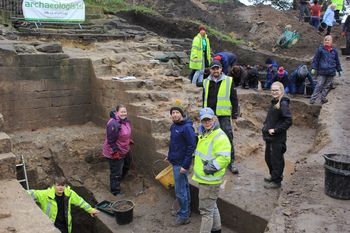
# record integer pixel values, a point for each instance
(74, 151)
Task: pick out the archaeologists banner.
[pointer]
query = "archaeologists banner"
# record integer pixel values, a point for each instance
(54, 10)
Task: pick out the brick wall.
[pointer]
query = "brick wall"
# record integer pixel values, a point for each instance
(41, 90)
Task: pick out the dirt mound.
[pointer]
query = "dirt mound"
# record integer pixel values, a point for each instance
(259, 26)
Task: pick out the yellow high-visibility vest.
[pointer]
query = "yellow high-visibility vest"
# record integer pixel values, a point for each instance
(223, 104)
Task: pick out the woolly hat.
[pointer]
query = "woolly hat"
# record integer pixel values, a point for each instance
(302, 72)
(218, 58)
(280, 71)
(201, 27)
(177, 106)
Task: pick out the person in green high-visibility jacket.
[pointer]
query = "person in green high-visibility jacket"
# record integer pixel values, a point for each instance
(200, 56)
(338, 8)
(212, 156)
(56, 203)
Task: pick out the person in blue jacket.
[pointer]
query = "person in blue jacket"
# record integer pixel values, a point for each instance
(181, 148)
(297, 80)
(325, 63)
(271, 71)
(227, 59)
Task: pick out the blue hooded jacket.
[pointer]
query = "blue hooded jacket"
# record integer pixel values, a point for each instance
(326, 62)
(227, 60)
(182, 143)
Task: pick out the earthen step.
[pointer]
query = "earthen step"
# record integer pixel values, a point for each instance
(5, 143)
(162, 139)
(146, 95)
(7, 166)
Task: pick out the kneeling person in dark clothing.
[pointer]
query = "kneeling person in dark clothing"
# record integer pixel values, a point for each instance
(251, 80)
(297, 80)
(274, 131)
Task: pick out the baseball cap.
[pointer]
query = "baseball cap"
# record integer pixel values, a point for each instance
(206, 113)
(215, 63)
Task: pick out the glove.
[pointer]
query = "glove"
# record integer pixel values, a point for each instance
(339, 73)
(116, 155)
(209, 168)
(313, 71)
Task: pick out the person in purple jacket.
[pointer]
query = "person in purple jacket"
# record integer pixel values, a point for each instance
(116, 147)
(181, 148)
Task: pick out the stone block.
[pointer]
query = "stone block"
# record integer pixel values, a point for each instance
(1, 122)
(5, 143)
(50, 48)
(42, 60)
(7, 166)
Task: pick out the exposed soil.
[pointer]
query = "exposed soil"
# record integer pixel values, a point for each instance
(259, 27)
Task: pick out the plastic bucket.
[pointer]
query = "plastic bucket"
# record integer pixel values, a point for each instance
(337, 176)
(123, 211)
(166, 177)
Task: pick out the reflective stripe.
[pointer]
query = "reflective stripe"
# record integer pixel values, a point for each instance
(196, 61)
(87, 207)
(81, 203)
(205, 83)
(217, 166)
(210, 150)
(203, 156)
(196, 47)
(212, 178)
(48, 208)
(225, 154)
(31, 192)
(223, 107)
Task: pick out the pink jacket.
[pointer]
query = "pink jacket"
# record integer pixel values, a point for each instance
(118, 137)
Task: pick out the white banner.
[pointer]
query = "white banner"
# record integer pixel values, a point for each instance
(54, 10)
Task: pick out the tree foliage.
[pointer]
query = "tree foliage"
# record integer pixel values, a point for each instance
(279, 4)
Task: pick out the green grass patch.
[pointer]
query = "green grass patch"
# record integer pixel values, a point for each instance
(114, 6)
(222, 36)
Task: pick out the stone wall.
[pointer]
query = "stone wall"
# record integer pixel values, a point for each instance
(41, 90)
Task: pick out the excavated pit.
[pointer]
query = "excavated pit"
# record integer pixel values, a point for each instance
(74, 151)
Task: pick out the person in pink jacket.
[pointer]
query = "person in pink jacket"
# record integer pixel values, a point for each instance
(116, 147)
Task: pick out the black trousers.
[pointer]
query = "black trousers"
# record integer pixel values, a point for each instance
(274, 158)
(225, 125)
(118, 169)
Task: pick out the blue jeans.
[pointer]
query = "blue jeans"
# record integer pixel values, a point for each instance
(182, 192)
(315, 21)
(297, 88)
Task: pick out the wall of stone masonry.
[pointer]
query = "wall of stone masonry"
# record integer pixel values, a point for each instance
(41, 90)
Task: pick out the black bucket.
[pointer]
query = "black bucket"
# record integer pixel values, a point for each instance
(123, 211)
(337, 176)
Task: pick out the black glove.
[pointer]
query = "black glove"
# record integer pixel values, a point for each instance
(209, 168)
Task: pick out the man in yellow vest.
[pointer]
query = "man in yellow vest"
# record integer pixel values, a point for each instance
(56, 203)
(200, 55)
(220, 95)
(212, 156)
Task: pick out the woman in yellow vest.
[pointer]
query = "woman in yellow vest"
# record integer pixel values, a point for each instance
(212, 156)
(200, 55)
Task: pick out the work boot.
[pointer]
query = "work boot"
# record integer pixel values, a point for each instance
(268, 179)
(272, 185)
(233, 168)
(324, 101)
(217, 231)
(179, 221)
